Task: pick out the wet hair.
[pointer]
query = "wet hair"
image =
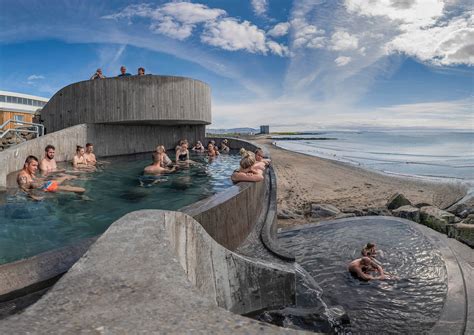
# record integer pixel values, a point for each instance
(156, 157)
(369, 245)
(30, 158)
(248, 160)
(243, 152)
(49, 146)
(160, 147)
(89, 145)
(79, 147)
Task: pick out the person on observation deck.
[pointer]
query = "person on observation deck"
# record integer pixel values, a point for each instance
(141, 71)
(123, 72)
(98, 75)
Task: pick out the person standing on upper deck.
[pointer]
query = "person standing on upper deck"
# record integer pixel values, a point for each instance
(123, 72)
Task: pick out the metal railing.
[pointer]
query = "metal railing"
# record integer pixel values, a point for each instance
(27, 127)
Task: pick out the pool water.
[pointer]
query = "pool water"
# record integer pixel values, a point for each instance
(30, 227)
(412, 304)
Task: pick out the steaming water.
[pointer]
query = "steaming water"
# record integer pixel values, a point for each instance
(419, 153)
(30, 227)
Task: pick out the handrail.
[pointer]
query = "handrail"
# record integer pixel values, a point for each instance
(39, 128)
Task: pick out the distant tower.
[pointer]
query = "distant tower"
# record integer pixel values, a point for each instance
(264, 129)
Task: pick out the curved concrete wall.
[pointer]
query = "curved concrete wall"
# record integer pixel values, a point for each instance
(149, 99)
(131, 281)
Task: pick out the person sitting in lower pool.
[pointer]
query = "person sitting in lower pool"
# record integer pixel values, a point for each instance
(364, 268)
(27, 180)
(165, 161)
(156, 167)
(369, 250)
(257, 165)
(79, 160)
(182, 152)
(247, 172)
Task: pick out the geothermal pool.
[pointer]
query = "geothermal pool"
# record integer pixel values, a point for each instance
(412, 304)
(30, 227)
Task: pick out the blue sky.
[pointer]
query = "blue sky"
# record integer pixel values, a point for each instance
(296, 65)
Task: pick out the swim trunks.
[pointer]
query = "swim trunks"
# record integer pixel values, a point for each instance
(50, 186)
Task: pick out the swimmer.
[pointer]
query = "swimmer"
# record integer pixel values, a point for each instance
(212, 151)
(165, 161)
(89, 154)
(261, 158)
(247, 172)
(27, 180)
(198, 147)
(363, 268)
(79, 161)
(224, 146)
(182, 152)
(156, 167)
(369, 250)
(257, 165)
(48, 163)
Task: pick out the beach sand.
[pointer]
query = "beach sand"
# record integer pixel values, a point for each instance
(304, 179)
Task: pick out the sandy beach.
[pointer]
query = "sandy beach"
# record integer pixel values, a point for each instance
(304, 179)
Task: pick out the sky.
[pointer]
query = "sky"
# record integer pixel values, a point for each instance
(294, 65)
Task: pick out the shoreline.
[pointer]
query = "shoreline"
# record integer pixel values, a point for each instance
(304, 179)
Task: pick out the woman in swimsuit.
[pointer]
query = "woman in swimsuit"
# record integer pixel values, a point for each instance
(257, 165)
(247, 171)
(198, 147)
(182, 152)
(165, 161)
(212, 152)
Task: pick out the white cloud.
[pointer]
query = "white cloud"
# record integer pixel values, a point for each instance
(307, 35)
(342, 40)
(260, 7)
(34, 77)
(278, 49)
(229, 34)
(342, 60)
(281, 29)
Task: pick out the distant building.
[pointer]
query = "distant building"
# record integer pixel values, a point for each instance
(264, 129)
(18, 106)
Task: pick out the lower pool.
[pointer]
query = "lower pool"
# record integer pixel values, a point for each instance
(409, 305)
(30, 227)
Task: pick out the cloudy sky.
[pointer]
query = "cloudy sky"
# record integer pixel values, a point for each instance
(296, 65)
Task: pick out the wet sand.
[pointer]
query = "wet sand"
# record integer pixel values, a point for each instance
(304, 179)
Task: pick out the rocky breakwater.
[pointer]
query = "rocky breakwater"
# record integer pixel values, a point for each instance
(457, 221)
(14, 138)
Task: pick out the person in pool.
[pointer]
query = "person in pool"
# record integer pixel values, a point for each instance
(369, 250)
(247, 172)
(48, 163)
(182, 152)
(28, 182)
(156, 167)
(212, 152)
(257, 165)
(89, 154)
(198, 147)
(261, 158)
(165, 161)
(80, 162)
(224, 146)
(364, 268)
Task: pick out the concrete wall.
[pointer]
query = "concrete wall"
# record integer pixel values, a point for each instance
(132, 281)
(130, 100)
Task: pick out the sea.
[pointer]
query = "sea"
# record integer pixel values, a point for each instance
(428, 154)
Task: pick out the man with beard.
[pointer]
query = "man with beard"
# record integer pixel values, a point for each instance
(48, 163)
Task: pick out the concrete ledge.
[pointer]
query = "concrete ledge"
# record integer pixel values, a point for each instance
(132, 281)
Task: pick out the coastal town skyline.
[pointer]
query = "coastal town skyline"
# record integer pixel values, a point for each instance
(300, 65)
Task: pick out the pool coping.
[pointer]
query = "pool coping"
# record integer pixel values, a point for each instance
(457, 315)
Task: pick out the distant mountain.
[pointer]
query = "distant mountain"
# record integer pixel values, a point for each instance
(233, 131)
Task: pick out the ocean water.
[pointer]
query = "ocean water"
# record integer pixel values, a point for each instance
(433, 154)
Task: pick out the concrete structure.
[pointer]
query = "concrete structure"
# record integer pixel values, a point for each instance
(19, 106)
(135, 100)
(264, 129)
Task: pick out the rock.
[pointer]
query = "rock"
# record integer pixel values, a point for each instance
(462, 232)
(378, 211)
(469, 219)
(457, 208)
(422, 204)
(285, 214)
(323, 210)
(407, 212)
(353, 210)
(344, 216)
(397, 200)
(436, 218)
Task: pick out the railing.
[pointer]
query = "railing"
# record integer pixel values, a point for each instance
(31, 127)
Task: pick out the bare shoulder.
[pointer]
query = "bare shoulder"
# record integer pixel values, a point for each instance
(23, 180)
